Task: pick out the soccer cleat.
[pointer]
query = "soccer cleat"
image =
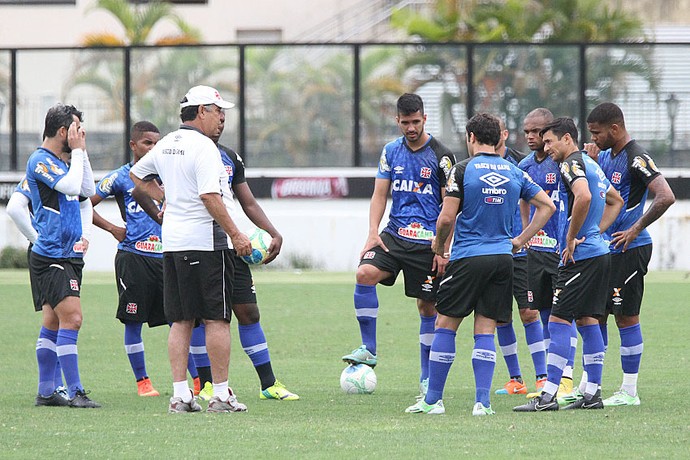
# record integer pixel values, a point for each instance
(421, 407)
(54, 400)
(622, 398)
(178, 406)
(570, 398)
(82, 401)
(278, 391)
(565, 387)
(513, 387)
(480, 410)
(197, 386)
(229, 405)
(62, 391)
(537, 405)
(593, 402)
(539, 385)
(533, 395)
(361, 356)
(423, 388)
(145, 388)
(206, 393)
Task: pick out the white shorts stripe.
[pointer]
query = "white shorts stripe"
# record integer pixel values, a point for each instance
(630, 277)
(447, 278)
(631, 351)
(134, 348)
(64, 350)
(573, 278)
(256, 348)
(366, 312)
(442, 357)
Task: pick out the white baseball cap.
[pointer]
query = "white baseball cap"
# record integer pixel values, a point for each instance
(204, 95)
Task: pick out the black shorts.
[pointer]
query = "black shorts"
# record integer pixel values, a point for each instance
(55, 278)
(140, 288)
(243, 290)
(35, 293)
(482, 284)
(581, 289)
(626, 284)
(520, 281)
(198, 285)
(542, 272)
(414, 259)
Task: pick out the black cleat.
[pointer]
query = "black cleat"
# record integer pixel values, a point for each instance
(80, 400)
(537, 405)
(588, 402)
(54, 400)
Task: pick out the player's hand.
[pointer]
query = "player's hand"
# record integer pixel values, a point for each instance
(84, 245)
(76, 137)
(119, 233)
(592, 151)
(517, 246)
(439, 264)
(241, 243)
(274, 248)
(569, 250)
(371, 243)
(624, 237)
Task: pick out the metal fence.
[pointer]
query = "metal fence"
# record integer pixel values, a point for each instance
(325, 105)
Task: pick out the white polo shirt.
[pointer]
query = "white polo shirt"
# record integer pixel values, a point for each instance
(189, 165)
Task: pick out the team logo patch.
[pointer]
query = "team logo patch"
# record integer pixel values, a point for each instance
(368, 255)
(577, 170)
(383, 163)
(493, 200)
(530, 296)
(640, 164)
(452, 184)
(131, 308)
(617, 298)
(616, 178)
(446, 165)
(106, 184)
(555, 296)
(73, 285)
(550, 178)
(428, 285)
(425, 172)
(228, 169)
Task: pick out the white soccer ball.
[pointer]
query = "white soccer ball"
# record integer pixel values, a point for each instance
(358, 379)
(260, 240)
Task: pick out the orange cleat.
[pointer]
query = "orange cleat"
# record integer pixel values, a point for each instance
(513, 387)
(145, 388)
(197, 386)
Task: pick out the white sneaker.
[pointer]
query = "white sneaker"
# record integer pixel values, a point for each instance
(480, 410)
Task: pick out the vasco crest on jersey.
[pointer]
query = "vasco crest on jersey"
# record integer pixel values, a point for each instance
(645, 165)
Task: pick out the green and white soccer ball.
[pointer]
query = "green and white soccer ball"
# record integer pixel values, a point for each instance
(358, 379)
(260, 240)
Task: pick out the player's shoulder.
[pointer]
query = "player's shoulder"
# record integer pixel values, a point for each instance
(515, 154)
(439, 149)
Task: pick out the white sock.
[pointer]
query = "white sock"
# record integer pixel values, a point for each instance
(181, 390)
(221, 390)
(568, 372)
(630, 384)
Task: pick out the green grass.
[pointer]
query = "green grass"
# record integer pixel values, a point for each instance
(309, 322)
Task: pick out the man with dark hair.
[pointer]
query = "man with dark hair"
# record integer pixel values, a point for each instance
(580, 293)
(62, 222)
(197, 232)
(481, 198)
(415, 166)
(631, 171)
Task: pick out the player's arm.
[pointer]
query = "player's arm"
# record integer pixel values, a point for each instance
(444, 224)
(377, 207)
(257, 215)
(614, 204)
(102, 223)
(524, 212)
(86, 212)
(582, 199)
(71, 183)
(216, 208)
(663, 199)
(18, 210)
(142, 194)
(543, 210)
(88, 184)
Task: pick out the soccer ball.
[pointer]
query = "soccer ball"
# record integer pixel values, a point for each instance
(358, 379)
(260, 240)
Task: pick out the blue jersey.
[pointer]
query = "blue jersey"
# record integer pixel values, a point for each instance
(417, 178)
(234, 165)
(57, 216)
(514, 157)
(489, 188)
(548, 176)
(579, 166)
(143, 234)
(630, 172)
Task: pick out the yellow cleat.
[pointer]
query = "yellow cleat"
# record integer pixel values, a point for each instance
(206, 393)
(278, 391)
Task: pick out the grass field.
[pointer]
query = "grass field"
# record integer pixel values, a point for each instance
(309, 322)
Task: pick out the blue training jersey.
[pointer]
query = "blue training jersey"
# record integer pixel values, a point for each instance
(630, 172)
(514, 157)
(489, 188)
(579, 166)
(547, 175)
(143, 234)
(57, 216)
(417, 178)
(234, 165)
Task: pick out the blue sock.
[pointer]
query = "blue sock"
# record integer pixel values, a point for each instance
(254, 343)
(197, 348)
(592, 356)
(69, 359)
(441, 358)
(605, 336)
(426, 336)
(134, 347)
(544, 314)
(535, 342)
(483, 364)
(631, 349)
(559, 353)
(508, 343)
(58, 372)
(367, 309)
(47, 361)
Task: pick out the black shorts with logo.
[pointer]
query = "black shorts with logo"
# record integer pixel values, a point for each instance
(198, 285)
(140, 288)
(520, 281)
(243, 290)
(581, 288)
(414, 259)
(483, 284)
(55, 279)
(626, 284)
(542, 273)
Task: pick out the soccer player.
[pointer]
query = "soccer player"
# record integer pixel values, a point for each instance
(414, 169)
(484, 190)
(580, 293)
(62, 222)
(631, 171)
(530, 318)
(197, 231)
(139, 258)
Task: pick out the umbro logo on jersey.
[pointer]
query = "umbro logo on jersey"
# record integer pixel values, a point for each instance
(494, 179)
(399, 169)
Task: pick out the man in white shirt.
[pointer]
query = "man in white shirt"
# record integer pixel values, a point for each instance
(198, 238)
